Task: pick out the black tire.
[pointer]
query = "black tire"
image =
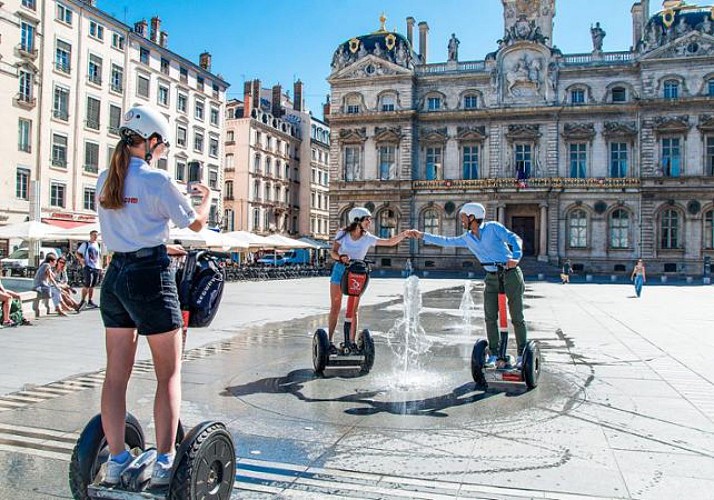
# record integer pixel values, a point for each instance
(365, 343)
(320, 351)
(91, 451)
(205, 464)
(478, 361)
(531, 364)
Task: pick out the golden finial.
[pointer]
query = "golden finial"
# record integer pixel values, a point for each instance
(382, 22)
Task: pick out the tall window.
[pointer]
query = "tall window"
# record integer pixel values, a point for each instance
(353, 169)
(671, 89)
(213, 178)
(470, 101)
(619, 229)
(94, 69)
(30, 4)
(669, 229)
(708, 229)
(386, 224)
(267, 191)
(117, 82)
(142, 86)
(524, 161)
(256, 190)
(24, 131)
(200, 82)
(578, 158)
(198, 108)
(63, 56)
(433, 163)
(114, 119)
(671, 156)
(118, 41)
(96, 30)
(90, 197)
(710, 87)
(57, 194)
(256, 164)
(144, 55)
(352, 104)
(181, 136)
(230, 136)
(180, 170)
(198, 141)
(214, 116)
(431, 221)
(59, 150)
(64, 14)
(618, 159)
(578, 229)
(22, 184)
(162, 97)
(230, 165)
(709, 158)
(27, 37)
(228, 192)
(91, 157)
(194, 172)
(470, 160)
(182, 102)
(387, 162)
(213, 147)
(183, 74)
(60, 106)
(26, 82)
(256, 219)
(93, 112)
(165, 65)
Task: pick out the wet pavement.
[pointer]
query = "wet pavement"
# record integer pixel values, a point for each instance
(623, 408)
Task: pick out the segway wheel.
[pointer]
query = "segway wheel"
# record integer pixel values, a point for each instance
(365, 343)
(205, 464)
(320, 351)
(478, 361)
(531, 364)
(91, 451)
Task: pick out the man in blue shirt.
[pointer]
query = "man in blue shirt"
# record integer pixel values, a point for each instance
(491, 242)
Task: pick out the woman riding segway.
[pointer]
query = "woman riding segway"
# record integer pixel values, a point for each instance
(136, 203)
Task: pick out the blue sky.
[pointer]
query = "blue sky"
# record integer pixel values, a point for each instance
(279, 41)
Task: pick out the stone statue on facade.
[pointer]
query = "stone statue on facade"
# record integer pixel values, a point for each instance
(362, 51)
(682, 27)
(553, 75)
(598, 35)
(377, 50)
(339, 59)
(706, 26)
(401, 56)
(454, 48)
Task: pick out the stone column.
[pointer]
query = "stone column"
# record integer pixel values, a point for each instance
(501, 213)
(543, 244)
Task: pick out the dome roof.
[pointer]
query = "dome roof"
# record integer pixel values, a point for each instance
(675, 21)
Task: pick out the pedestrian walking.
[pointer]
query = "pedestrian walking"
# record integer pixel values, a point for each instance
(89, 256)
(566, 271)
(139, 295)
(638, 277)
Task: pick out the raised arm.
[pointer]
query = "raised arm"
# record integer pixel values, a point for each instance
(390, 242)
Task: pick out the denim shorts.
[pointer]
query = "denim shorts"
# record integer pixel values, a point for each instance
(337, 271)
(139, 291)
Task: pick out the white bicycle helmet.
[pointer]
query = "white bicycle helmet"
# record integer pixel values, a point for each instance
(357, 214)
(476, 209)
(146, 121)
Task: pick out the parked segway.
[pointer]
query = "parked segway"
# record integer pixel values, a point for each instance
(205, 462)
(357, 354)
(506, 370)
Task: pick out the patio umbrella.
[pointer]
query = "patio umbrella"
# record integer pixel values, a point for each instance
(29, 230)
(206, 238)
(79, 233)
(281, 241)
(251, 239)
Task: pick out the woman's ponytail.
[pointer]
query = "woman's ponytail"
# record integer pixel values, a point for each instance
(112, 195)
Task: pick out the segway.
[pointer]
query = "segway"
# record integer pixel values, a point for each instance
(350, 355)
(205, 461)
(505, 370)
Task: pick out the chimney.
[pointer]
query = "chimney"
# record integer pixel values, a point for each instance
(326, 109)
(140, 28)
(637, 24)
(204, 60)
(410, 31)
(255, 99)
(423, 35)
(247, 99)
(297, 95)
(155, 29)
(164, 39)
(277, 109)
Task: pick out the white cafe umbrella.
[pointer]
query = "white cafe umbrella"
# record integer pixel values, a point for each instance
(281, 241)
(251, 239)
(206, 238)
(29, 230)
(79, 233)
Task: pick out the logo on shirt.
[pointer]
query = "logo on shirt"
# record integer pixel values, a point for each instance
(132, 200)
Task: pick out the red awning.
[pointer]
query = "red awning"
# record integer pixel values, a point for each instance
(65, 224)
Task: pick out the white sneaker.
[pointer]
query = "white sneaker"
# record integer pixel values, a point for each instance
(491, 361)
(113, 470)
(162, 471)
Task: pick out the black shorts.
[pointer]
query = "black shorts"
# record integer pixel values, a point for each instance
(139, 291)
(90, 276)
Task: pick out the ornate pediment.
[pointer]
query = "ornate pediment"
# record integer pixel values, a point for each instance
(388, 134)
(353, 135)
(619, 129)
(471, 133)
(671, 124)
(691, 44)
(363, 64)
(579, 131)
(434, 135)
(706, 123)
(523, 132)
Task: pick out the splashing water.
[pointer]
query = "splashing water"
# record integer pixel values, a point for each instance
(407, 338)
(467, 306)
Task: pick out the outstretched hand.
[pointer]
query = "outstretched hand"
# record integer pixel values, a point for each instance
(414, 233)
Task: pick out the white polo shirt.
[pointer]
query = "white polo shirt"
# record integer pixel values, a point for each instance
(355, 249)
(151, 200)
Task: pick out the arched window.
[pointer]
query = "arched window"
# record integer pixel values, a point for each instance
(669, 230)
(352, 104)
(431, 221)
(388, 102)
(619, 229)
(671, 89)
(578, 229)
(386, 224)
(709, 229)
(471, 101)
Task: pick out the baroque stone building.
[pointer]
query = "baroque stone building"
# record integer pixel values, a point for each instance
(600, 157)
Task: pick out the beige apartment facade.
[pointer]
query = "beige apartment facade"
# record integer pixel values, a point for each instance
(87, 70)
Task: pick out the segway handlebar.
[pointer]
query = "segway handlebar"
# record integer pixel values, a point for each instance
(211, 253)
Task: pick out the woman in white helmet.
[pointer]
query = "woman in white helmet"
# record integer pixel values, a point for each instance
(491, 242)
(352, 243)
(136, 204)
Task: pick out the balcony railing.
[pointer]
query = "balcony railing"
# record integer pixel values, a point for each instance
(63, 67)
(27, 52)
(95, 79)
(25, 100)
(532, 183)
(92, 169)
(93, 124)
(61, 114)
(59, 162)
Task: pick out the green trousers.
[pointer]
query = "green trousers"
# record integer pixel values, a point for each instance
(515, 288)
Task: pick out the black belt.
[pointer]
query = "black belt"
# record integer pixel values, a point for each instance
(505, 270)
(142, 253)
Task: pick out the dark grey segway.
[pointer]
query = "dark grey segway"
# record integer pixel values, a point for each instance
(505, 371)
(357, 355)
(204, 466)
